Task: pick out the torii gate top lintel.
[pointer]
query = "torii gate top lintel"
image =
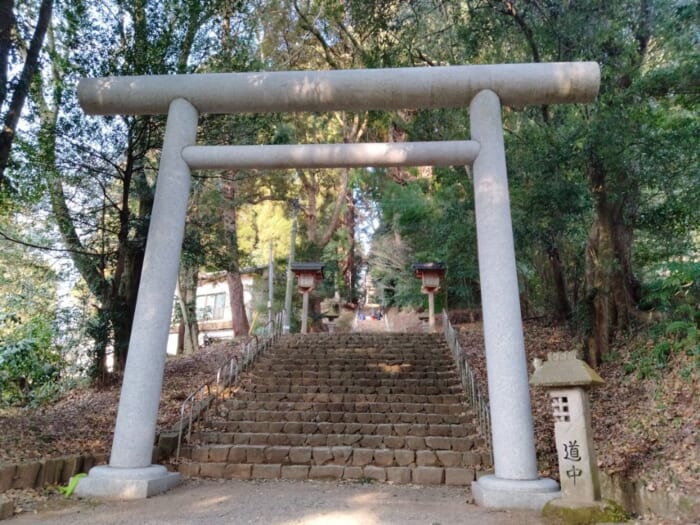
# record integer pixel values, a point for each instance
(349, 90)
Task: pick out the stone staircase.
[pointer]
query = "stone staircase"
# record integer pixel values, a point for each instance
(385, 407)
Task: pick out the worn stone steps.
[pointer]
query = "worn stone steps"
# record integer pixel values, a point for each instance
(388, 365)
(462, 444)
(372, 353)
(356, 399)
(339, 427)
(357, 382)
(340, 416)
(352, 375)
(344, 406)
(338, 389)
(359, 406)
(344, 456)
(399, 475)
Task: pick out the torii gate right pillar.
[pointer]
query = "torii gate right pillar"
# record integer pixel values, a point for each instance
(515, 482)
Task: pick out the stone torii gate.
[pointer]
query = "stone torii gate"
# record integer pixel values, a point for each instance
(483, 88)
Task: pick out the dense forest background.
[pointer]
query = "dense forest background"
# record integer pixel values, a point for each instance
(605, 196)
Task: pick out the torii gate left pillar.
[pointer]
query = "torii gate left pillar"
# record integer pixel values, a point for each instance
(130, 474)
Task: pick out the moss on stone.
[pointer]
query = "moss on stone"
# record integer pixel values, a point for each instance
(608, 511)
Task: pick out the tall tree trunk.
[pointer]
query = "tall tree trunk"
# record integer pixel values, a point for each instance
(29, 70)
(187, 292)
(349, 266)
(237, 300)
(233, 276)
(562, 304)
(612, 290)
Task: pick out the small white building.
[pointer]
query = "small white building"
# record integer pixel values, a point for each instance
(214, 306)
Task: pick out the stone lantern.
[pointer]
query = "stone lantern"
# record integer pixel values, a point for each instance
(568, 380)
(308, 275)
(430, 275)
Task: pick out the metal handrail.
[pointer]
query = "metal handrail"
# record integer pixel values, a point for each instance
(204, 396)
(466, 374)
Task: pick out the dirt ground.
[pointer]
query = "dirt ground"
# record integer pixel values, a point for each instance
(281, 502)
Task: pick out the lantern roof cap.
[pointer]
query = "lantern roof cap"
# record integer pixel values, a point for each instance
(564, 369)
(431, 267)
(307, 267)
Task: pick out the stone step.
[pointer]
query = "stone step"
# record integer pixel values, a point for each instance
(339, 416)
(402, 398)
(455, 476)
(339, 389)
(357, 407)
(372, 353)
(328, 427)
(382, 364)
(321, 375)
(336, 455)
(348, 339)
(461, 444)
(358, 382)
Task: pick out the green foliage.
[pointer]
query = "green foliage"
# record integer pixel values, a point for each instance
(30, 365)
(673, 295)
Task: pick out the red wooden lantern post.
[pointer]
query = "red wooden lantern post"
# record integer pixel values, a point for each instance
(309, 274)
(430, 275)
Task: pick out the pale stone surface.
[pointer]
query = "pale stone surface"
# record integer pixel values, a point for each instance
(509, 397)
(237, 454)
(188, 469)
(352, 473)
(449, 458)
(428, 475)
(237, 471)
(362, 456)
(276, 454)
(351, 90)
(7, 507)
(112, 483)
(295, 471)
(437, 153)
(219, 454)
(200, 454)
(404, 457)
(566, 377)
(578, 469)
(255, 454)
(300, 454)
(373, 472)
(326, 472)
(491, 491)
(459, 476)
(426, 458)
(212, 470)
(322, 455)
(266, 471)
(384, 457)
(341, 455)
(400, 475)
(143, 375)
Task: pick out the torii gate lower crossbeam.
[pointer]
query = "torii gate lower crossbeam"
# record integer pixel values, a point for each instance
(515, 482)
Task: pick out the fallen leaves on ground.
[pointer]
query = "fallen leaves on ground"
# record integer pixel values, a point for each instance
(83, 420)
(642, 428)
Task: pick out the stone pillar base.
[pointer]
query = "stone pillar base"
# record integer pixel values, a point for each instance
(126, 483)
(490, 491)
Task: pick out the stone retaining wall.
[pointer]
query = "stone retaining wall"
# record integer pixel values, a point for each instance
(39, 474)
(638, 497)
